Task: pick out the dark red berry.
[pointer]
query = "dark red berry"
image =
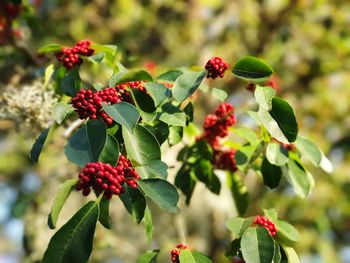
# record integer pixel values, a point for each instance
(100, 177)
(122, 89)
(176, 252)
(225, 160)
(216, 67)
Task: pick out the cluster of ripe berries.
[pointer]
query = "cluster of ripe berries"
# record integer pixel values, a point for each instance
(216, 67)
(103, 177)
(176, 252)
(88, 104)
(8, 12)
(70, 57)
(215, 127)
(263, 221)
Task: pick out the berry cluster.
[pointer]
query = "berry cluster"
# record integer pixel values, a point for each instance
(88, 104)
(176, 252)
(216, 125)
(70, 57)
(263, 221)
(103, 177)
(225, 160)
(11, 10)
(216, 67)
(8, 13)
(122, 89)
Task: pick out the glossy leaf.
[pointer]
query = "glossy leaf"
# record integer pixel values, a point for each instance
(172, 115)
(277, 253)
(50, 48)
(200, 257)
(286, 233)
(283, 114)
(104, 213)
(275, 155)
(153, 169)
(161, 192)
(264, 96)
(185, 182)
(186, 84)
(123, 113)
(71, 82)
(271, 174)
(141, 146)
(87, 143)
(186, 256)
(299, 178)
(239, 192)
(131, 76)
(61, 111)
(291, 254)
(252, 69)
(170, 75)
(134, 202)
(160, 130)
(238, 225)
(73, 241)
(204, 172)
(148, 257)
(175, 135)
(257, 245)
(110, 151)
(143, 101)
(245, 154)
(158, 92)
(38, 145)
(110, 52)
(59, 201)
(309, 149)
(271, 125)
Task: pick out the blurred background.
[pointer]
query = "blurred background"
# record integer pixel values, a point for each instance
(306, 41)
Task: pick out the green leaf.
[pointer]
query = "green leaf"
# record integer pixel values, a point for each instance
(158, 92)
(61, 111)
(87, 143)
(38, 145)
(186, 84)
(186, 256)
(59, 201)
(148, 257)
(219, 94)
(147, 221)
(185, 182)
(271, 214)
(123, 113)
(245, 154)
(246, 133)
(204, 172)
(309, 149)
(153, 169)
(73, 241)
(170, 75)
(141, 146)
(104, 213)
(160, 130)
(175, 135)
(286, 233)
(130, 76)
(71, 82)
(172, 115)
(200, 257)
(326, 164)
(134, 202)
(50, 48)
(110, 152)
(264, 96)
(275, 155)
(97, 58)
(271, 125)
(161, 192)
(257, 245)
(239, 192)
(252, 69)
(283, 114)
(49, 71)
(110, 52)
(300, 180)
(291, 254)
(277, 253)
(143, 101)
(238, 225)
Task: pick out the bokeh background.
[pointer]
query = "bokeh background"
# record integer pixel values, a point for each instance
(306, 41)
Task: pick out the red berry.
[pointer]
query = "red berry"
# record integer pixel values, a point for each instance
(216, 67)
(263, 221)
(225, 160)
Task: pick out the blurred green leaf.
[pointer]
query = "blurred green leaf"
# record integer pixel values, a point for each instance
(170, 75)
(299, 178)
(71, 82)
(50, 48)
(238, 225)
(286, 233)
(38, 145)
(239, 192)
(61, 111)
(186, 256)
(175, 135)
(291, 254)
(104, 217)
(264, 96)
(147, 220)
(271, 173)
(128, 76)
(148, 257)
(134, 202)
(309, 149)
(275, 156)
(200, 257)
(219, 94)
(185, 182)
